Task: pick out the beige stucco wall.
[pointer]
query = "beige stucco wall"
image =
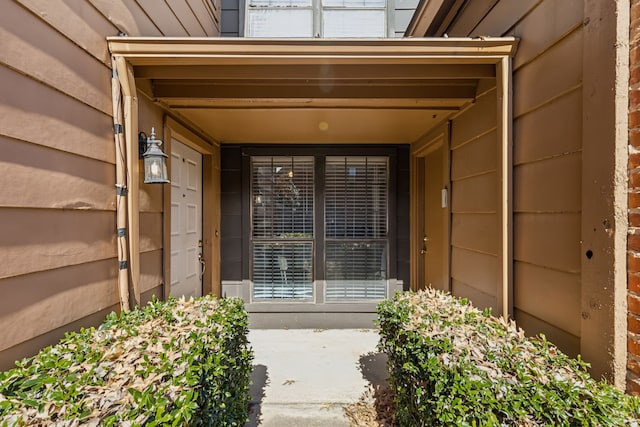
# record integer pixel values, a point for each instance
(57, 199)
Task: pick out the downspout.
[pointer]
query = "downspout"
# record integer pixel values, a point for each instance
(121, 191)
(126, 80)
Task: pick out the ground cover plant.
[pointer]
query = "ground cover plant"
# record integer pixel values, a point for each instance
(179, 362)
(452, 364)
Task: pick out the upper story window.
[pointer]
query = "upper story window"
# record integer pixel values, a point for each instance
(316, 18)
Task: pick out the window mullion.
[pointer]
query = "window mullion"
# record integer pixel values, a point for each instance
(317, 18)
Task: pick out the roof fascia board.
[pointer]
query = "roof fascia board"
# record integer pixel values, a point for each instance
(195, 51)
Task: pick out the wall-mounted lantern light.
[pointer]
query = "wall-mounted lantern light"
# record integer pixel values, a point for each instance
(155, 161)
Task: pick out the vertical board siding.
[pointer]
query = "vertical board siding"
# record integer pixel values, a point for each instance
(547, 102)
(57, 206)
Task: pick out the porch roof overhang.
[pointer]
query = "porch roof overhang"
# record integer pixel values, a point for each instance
(312, 90)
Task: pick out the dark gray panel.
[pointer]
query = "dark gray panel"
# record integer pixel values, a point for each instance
(231, 270)
(230, 158)
(230, 21)
(231, 227)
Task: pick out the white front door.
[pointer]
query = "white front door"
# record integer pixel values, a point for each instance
(186, 221)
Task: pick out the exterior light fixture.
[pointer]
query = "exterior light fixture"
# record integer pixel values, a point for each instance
(155, 161)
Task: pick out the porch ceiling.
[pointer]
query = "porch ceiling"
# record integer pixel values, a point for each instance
(321, 91)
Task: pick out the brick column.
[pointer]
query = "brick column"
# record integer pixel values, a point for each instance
(633, 242)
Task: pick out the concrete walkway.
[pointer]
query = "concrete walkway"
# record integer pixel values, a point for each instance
(303, 377)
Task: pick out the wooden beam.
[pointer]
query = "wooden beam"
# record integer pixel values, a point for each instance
(292, 91)
(317, 72)
(504, 292)
(444, 104)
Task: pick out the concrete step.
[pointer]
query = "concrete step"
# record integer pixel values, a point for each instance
(298, 415)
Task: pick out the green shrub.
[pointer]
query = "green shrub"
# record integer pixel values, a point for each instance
(453, 365)
(169, 363)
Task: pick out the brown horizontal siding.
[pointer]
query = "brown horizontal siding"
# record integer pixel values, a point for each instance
(163, 17)
(549, 185)
(150, 270)
(473, 12)
(477, 268)
(41, 177)
(546, 24)
(556, 137)
(475, 231)
(57, 208)
(38, 113)
(48, 300)
(185, 15)
(32, 346)
(547, 104)
(502, 17)
(35, 49)
(474, 198)
(566, 342)
(128, 17)
(547, 294)
(550, 240)
(554, 73)
(476, 121)
(475, 194)
(35, 240)
(208, 14)
(476, 157)
(78, 21)
(473, 294)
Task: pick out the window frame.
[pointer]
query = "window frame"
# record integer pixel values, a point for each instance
(319, 152)
(317, 10)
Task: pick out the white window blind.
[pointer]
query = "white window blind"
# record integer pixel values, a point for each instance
(356, 193)
(282, 227)
(333, 18)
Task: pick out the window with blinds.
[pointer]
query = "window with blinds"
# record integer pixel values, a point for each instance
(356, 194)
(323, 18)
(282, 227)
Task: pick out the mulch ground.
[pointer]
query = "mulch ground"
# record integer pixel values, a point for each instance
(375, 408)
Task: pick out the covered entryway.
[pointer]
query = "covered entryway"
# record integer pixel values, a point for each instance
(351, 117)
(431, 215)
